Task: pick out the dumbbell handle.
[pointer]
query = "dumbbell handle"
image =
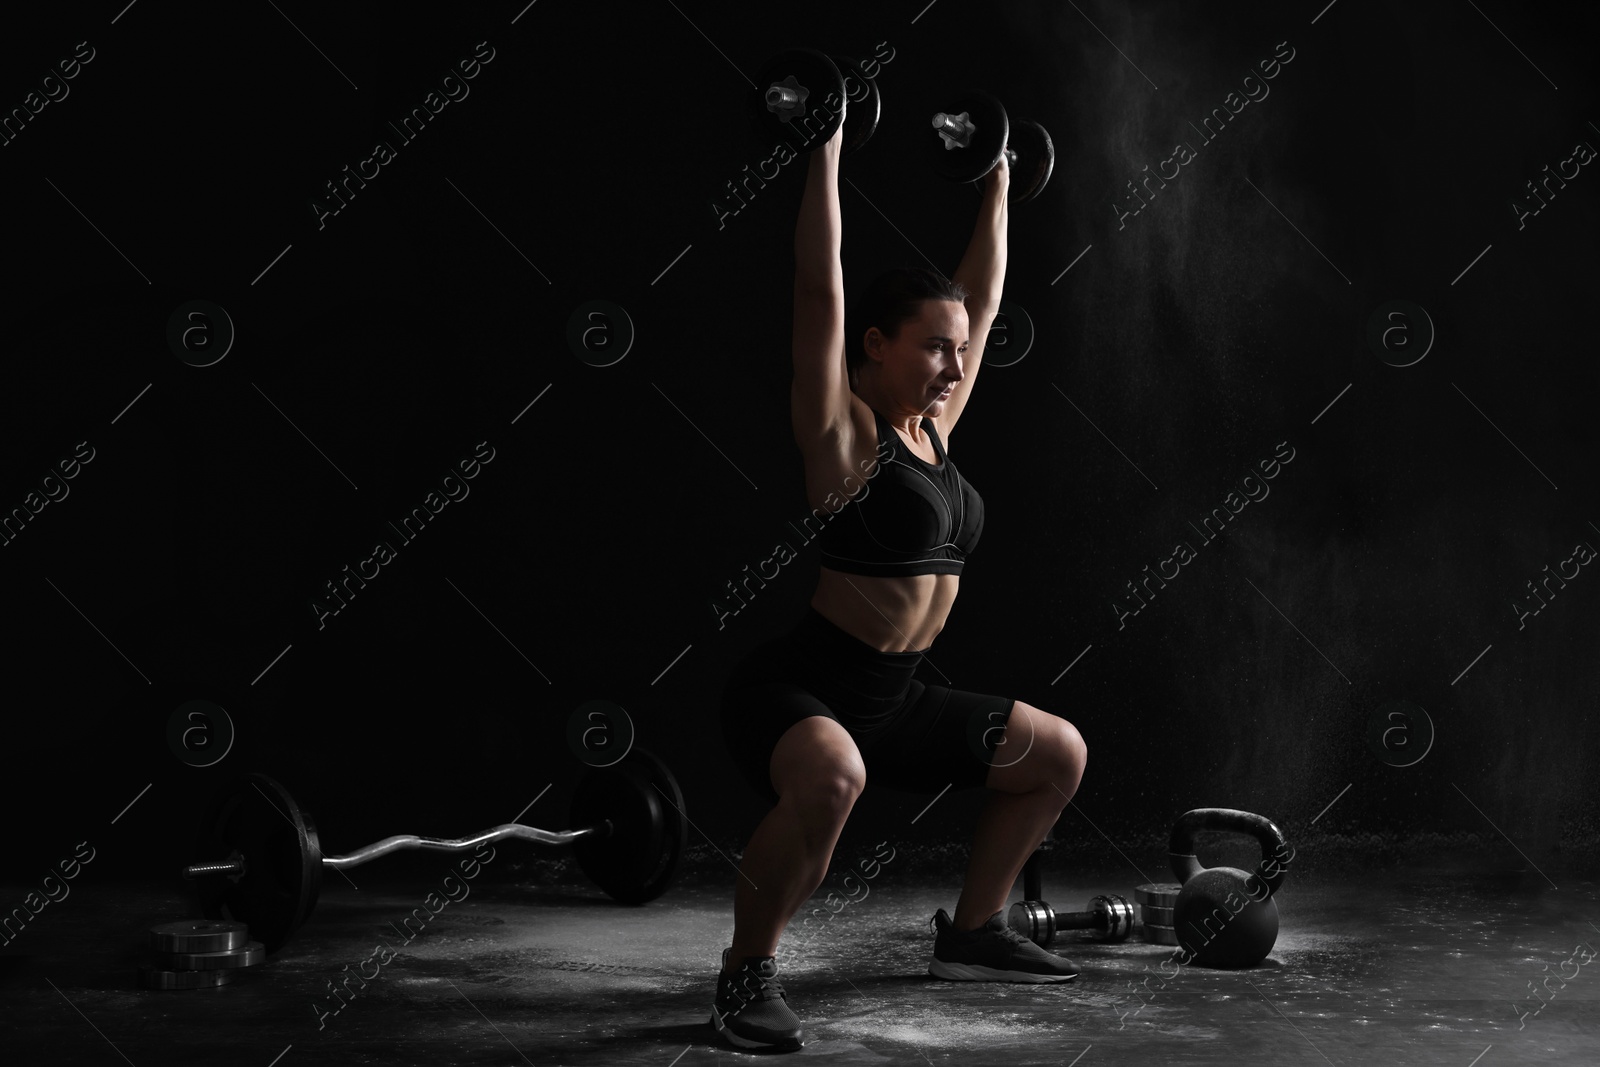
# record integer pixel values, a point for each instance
(1082, 920)
(406, 842)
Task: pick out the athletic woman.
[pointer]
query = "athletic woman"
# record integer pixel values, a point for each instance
(813, 716)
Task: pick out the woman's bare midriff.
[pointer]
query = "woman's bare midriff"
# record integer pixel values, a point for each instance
(890, 614)
(897, 614)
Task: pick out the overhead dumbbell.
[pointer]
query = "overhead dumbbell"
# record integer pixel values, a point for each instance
(801, 93)
(262, 862)
(972, 132)
(1110, 916)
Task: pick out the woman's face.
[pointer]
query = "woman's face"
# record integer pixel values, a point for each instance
(920, 365)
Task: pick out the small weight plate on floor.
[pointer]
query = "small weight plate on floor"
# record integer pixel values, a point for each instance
(1159, 916)
(158, 978)
(1160, 935)
(198, 935)
(248, 956)
(1160, 894)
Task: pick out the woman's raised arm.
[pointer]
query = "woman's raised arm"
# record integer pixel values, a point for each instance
(820, 396)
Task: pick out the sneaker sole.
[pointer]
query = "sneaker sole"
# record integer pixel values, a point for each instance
(963, 972)
(726, 1031)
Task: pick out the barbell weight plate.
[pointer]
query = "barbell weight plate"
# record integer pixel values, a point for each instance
(641, 799)
(861, 115)
(1149, 913)
(160, 978)
(258, 819)
(1159, 894)
(814, 78)
(1160, 935)
(313, 876)
(983, 150)
(198, 935)
(247, 956)
(675, 837)
(1036, 158)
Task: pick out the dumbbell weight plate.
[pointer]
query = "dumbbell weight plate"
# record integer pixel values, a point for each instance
(232, 959)
(257, 818)
(1119, 916)
(814, 76)
(1036, 158)
(160, 978)
(198, 935)
(641, 798)
(983, 151)
(1159, 894)
(1160, 935)
(862, 112)
(1034, 920)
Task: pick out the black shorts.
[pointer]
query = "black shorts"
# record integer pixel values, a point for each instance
(914, 737)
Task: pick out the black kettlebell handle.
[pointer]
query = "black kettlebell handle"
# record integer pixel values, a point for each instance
(1185, 864)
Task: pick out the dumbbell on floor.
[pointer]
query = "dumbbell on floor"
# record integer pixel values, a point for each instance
(262, 859)
(1110, 917)
(972, 132)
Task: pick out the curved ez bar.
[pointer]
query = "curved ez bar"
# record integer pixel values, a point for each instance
(409, 842)
(405, 842)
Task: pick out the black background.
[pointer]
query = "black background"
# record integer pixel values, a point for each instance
(1175, 354)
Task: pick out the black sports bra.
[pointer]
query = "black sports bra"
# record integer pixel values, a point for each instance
(912, 517)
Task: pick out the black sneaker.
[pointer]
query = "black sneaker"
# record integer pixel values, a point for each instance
(993, 953)
(750, 1010)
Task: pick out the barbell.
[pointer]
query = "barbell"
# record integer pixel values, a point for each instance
(260, 858)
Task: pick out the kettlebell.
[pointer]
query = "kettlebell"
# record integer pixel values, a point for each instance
(1225, 917)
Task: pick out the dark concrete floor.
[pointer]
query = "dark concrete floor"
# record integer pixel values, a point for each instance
(1404, 966)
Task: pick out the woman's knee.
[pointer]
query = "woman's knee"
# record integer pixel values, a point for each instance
(817, 766)
(1074, 749)
(1052, 752)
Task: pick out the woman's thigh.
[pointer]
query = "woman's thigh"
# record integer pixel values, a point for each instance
(755, 718)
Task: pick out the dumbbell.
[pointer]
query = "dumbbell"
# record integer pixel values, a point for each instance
(972, 132)
(261, 859)
(1109, 916)
(792, 100)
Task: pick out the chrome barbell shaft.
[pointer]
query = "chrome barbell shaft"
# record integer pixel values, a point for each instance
(406, 842)
(413, 842)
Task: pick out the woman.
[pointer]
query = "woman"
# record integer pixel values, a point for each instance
(812, 717)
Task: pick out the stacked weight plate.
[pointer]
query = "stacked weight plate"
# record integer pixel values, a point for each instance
(198, 953)
(1156, 901)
